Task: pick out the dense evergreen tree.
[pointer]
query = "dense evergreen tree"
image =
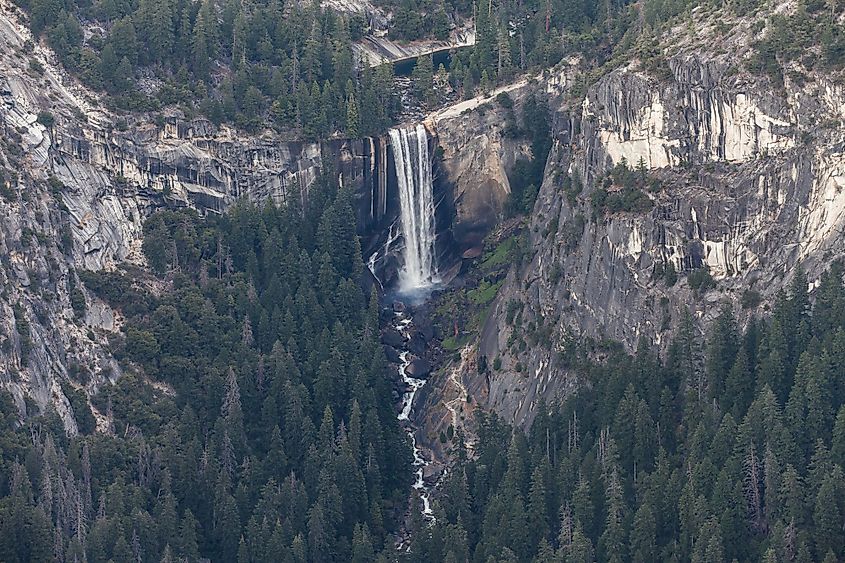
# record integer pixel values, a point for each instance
(709, 464)
(233, 438)
(236, 62)
(197, 49)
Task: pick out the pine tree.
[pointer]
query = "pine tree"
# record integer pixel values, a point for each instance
(231, 412)
(837, 448)
(108, 64)
(362, 545)
(643, 534)
(200, 45)
(611, 542)
(486, 35)
(772, 370)
(187, 543)
(243, 552)
(582, 505)
(276, 462)
(342, 63)
(165, 512)
(581, 549)
(311, 63)
(819, 418)
(819, 468)
(721, 352)
(239, 40)
(504, 65)
(226, 528)
(738, 385)
(124, 40)
(422, 78)
(353, 120)
(485, 84)
(771, 487)
(155, 18)
(753, 488)
(708, 545)
(827, 515)
(537, 510)
(122, 552)
(791, 496)
(123, 76)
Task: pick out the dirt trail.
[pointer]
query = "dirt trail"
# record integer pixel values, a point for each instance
(467, 105)
(459, 407)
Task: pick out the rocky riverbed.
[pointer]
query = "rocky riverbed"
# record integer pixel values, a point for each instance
(408, 338)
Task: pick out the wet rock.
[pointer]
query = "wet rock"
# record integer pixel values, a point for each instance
(398, 307)
(385, 315)
(419, 368)
(425, 328)
(432, 472)
(374, 50)
(416, 344)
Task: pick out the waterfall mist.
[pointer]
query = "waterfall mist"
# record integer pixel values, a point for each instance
(416, 213)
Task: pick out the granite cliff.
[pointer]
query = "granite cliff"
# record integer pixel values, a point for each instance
(745, 183)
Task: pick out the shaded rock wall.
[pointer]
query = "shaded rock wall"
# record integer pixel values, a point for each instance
(479, 147)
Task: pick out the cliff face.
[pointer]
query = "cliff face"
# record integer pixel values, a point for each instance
(476, 156)
(748, 185)
(75, 191)
(478, 148)
(79, 181)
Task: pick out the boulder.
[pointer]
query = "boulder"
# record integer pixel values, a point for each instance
(425, 328)
(416, 344)
(432, 472)
(392, 337)
(419, 368)
(473, 252)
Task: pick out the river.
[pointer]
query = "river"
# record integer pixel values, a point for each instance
(403, 323)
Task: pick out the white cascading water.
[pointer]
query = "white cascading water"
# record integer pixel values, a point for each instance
(419, 270)
(403, 325)
(416, 203)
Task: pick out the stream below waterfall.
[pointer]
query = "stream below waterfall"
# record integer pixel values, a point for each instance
(403, 324)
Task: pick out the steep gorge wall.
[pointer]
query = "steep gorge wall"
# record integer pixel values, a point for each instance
(752, 185)
(76, 190)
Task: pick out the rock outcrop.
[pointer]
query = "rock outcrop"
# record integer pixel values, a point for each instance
(748, 185)
(377, 49)
(478, 148)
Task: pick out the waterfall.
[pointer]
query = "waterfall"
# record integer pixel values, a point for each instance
(416, 203)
